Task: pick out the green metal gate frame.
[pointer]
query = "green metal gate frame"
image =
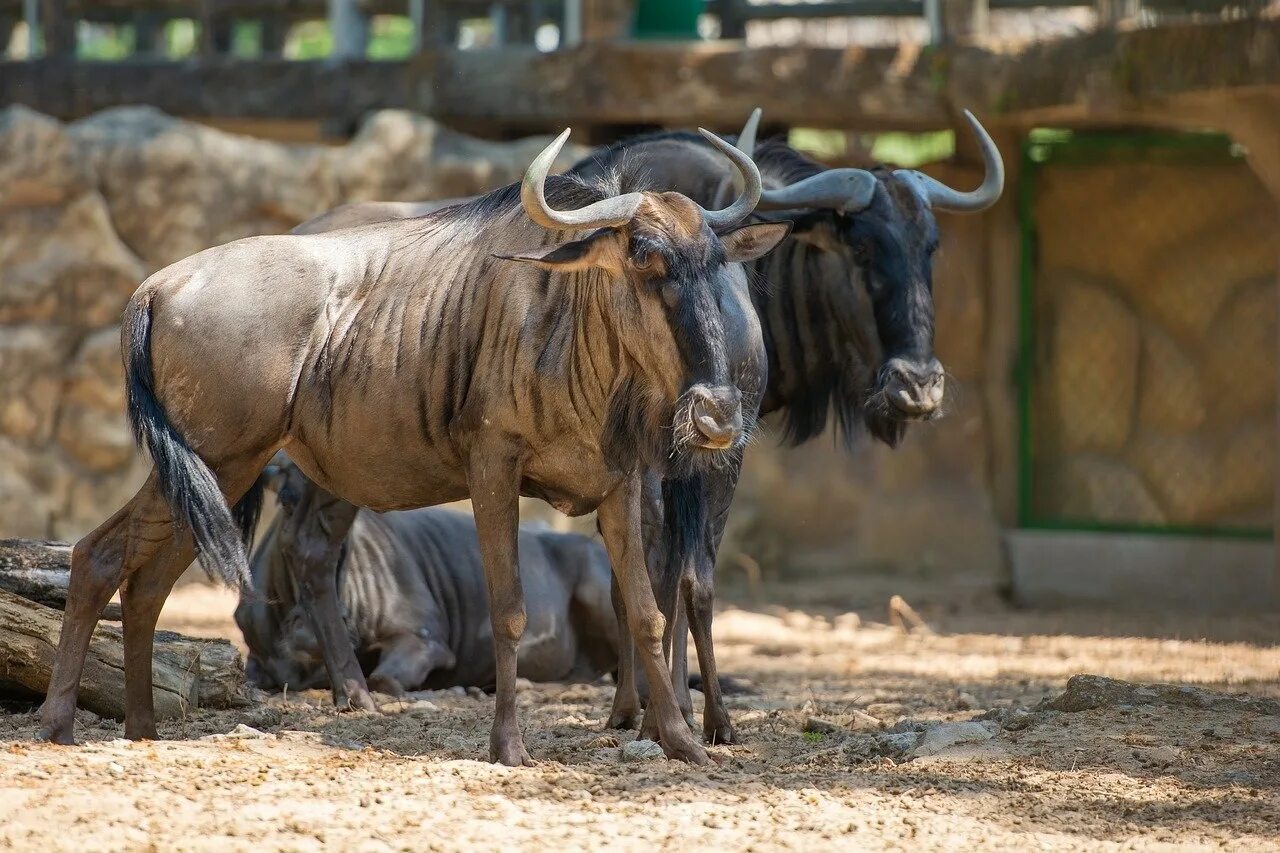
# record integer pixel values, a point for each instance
(1044, 147)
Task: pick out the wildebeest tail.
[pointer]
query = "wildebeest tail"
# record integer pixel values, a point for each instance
(189, 487)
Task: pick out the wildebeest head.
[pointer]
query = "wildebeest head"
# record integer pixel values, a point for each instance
(883, 221)
(686, 301)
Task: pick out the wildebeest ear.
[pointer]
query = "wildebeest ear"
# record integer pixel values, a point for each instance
(597, 249)
(753, 241)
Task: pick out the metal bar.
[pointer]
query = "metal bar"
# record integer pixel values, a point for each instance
(571, 33)
(417, 21)
(31, 14)
(350, 30)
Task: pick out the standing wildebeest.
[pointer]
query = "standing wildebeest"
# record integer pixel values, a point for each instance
(856, 234)
(412, 590)
(859, 235)
(410, 363)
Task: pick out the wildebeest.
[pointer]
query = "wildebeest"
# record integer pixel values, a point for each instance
(858, 236)
(863, 244)
(411, 585)
(419, 361)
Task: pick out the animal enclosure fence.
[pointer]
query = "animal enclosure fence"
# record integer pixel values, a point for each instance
(1148, 335)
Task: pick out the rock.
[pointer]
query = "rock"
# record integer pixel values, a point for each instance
(642, 750)
(847, 622)
(1222, 732)
(477, 693)
(92, 428)
(240, 732)
(39, 164)
(887, 710)
(1242, 357)
(826, 727)
(1163, 756)
(262, 717)
(115, 768)
(1093, 376)
(1088, 485)
(965, 701)
(1086, 692)
(1170, 396)
(867, 747)
(863, 720)
(942, 736)
(307, 737)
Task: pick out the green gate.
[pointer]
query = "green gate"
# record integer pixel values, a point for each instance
(1147, 378)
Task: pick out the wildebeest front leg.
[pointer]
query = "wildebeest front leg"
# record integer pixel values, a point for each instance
(698, 591)
(619, 517)
(406, 661)
(494, 480)
(311, 539)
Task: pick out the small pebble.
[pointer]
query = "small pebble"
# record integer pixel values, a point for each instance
(642, 750)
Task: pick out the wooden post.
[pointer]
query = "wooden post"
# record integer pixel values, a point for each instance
(606, 20)
(59, 29)
(350, 30)
(273, 33)
(31, 14)
(1112, 12)
(733, 19)
(952, 21)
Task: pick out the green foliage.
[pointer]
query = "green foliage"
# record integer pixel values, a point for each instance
(812, 737)
(181, 37)
(902, 149)
(309, 40)
(390, 37)
(105, 43)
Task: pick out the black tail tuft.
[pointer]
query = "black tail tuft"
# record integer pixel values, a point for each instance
(189, 487)
(248, 510)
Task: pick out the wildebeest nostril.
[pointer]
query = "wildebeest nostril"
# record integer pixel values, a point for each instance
(719, 429)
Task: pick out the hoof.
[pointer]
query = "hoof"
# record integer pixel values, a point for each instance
(628, 720)
(145, 733)
(356, 700)
(511, 754)
(389, 686)
(718, 734)
(57, 734)
(686, 749)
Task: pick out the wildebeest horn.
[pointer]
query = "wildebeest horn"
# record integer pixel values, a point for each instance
(943, 197)
(839, 189)
(605, 213)
(746, 201)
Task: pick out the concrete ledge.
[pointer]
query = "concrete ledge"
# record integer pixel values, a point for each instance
(1129, 571)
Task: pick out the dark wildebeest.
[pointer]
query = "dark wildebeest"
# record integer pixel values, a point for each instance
(858, 236)
(411, 585)
(420, 361)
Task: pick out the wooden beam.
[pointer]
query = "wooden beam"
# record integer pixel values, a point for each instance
(681, 84)
(188, 673)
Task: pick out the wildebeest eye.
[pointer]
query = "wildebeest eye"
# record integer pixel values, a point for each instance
(647, 262)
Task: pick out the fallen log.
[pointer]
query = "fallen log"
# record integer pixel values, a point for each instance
(187, 673)
(40, 570)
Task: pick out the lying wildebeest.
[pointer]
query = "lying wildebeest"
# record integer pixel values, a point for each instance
(857, 235)
(420, 361)
(412, 590)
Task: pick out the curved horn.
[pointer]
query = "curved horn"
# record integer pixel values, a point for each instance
(605, 213)
(839, 189)
(943, 197)
(746, 201)
(747, 139)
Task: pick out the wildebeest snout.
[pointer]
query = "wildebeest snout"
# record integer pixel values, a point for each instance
(912, 387)
(717, 416)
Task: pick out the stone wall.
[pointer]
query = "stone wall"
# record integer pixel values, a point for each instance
(1156, 353)
(90, 209)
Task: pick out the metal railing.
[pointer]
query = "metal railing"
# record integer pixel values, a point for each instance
(52, 30)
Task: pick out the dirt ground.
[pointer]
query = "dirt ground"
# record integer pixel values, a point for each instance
(1154, 775)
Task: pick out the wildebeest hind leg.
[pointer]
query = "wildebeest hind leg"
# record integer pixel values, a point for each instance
(97, 566)
(148, 585)
(494, 480)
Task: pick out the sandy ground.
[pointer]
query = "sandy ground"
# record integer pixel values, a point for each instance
(1147, 776)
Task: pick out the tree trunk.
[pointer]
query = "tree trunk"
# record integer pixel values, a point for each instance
(188, 673)
(40, 571)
